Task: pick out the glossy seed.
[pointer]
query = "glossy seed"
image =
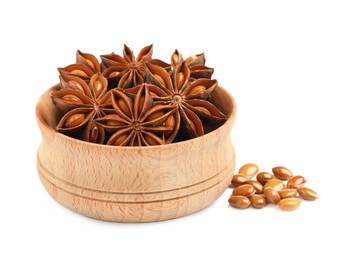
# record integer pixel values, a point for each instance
(203, 109)
(179, 80)
(98, 88)
(120, 139)
(296, 182)
(114, 123)
(288, 193)
(79, 73)
(249, 170)
(259, 188)
(289, 204)
(264, 177)
(175, 58)
(272, 196)
(72, 99)
(307, 193)
(94, 133)
(240, 202)
(114, 74)
(155, 116)
(169, 122)
(75, 85)
(246, 190)
(258, 201)
(238, 180)
(74, 120)
(90, 63)
(150, 140)
(160, 79)
(123, 106)
(275, 184)
(282, 173)
(197, 89)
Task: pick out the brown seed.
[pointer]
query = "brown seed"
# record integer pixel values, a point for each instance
(240, 202)
(258, 201)
(169, 122)
(120, 139)
(155, 115)
(141, 103)
(160, 79)
(249, 170)
(72, 99)
(150, 140)
(79, 73)
(282, 173)
(197, 89)
(76, 85)
(90, 63)
(203, 109)
(246, 190)
(114, 74)
(175, 58)
(238, 180)
(275, 184)
(74, 120)
(272, 196)
(114, 123)
(94, 133)
(307, 193)
(256, 184)
(123, 106)
(289, 204)
(98, 88)
(263, 177)
(179, 80)
(296, 182)
(288, 193)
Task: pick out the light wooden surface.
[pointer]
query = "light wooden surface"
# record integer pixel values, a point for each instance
(132, 184)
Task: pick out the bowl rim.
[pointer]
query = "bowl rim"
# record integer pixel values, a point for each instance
(45, 127)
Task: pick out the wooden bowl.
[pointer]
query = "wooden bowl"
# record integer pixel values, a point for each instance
(135, 184)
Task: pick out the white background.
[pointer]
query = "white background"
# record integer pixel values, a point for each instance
(285, 62)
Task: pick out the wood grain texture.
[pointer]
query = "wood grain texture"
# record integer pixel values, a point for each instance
(135, 184)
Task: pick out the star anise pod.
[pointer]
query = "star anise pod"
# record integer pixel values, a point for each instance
(128, 70)
(189, 97)
(138, 122)
(85, 67)
(81, 104)
(196, 64)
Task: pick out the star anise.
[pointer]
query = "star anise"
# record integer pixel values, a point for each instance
(138, 122)
(85, 67)
(128, 70)
(196, 64)
(189, 97)
(81, 104)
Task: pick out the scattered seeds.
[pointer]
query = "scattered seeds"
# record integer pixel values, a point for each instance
(268, 188)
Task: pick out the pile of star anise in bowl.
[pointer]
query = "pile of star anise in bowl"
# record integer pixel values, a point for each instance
(141, 101)
(136, 139)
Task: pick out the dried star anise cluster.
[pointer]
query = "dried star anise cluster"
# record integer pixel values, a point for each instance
(140, 101)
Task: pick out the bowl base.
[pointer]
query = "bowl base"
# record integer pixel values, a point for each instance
(136, 207)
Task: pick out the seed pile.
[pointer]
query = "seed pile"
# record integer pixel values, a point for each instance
(268, 188)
